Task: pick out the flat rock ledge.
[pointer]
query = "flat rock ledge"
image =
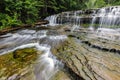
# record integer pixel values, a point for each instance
(90, 57)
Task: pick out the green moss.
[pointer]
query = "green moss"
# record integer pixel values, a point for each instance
(88, 25)
(97, 25)
(63, 50)
(15, 61)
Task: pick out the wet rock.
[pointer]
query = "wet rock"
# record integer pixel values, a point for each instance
(71, 36)
(24, 54)
(13, 77)
(61, 75)
(112, 50)
(16, 64)
(91, 61)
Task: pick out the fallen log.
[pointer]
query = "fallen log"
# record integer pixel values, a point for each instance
(41, 22)
(7, 30)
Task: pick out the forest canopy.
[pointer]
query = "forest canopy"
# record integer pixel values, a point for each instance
(17, 12)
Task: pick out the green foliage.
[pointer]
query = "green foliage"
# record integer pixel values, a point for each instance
(95, 4)
(27, 9)
(16, 12)
(8, 21)
(90, 4)
(100, 3)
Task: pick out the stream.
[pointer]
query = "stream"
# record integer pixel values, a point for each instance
(102, 33)
(27, 38)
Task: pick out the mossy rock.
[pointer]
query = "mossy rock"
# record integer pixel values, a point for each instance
(24, 54)
(14, 62)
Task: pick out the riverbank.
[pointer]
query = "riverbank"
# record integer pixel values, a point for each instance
(10, 29)
(86, 54)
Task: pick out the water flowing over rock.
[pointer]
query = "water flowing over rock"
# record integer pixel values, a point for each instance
(52, 20)
(108, 16)
(66, 49)
(90, 56)
(46, 65)
(105, 17)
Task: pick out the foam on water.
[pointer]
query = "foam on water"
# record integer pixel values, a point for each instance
(108, 17)
(52, 20)
(60, 37)
(47, 64)
(111, 34)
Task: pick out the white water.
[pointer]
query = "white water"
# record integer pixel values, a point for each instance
(52, 20)
(107, 33)
(47, 64)
(74, 27)
(58, 19)
(93, 20)
(109, 17)
(19, 38)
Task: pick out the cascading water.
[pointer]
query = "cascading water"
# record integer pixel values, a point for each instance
(47, 64)
(52, 20)
(93, 21)
(76, 23)
(108, 17)
(65, 18)
(106, 33)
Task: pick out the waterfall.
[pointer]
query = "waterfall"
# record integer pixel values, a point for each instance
(93, 20)
(76, 22)
(45, 40)
(65, 18)
(52, 20)
(108, 17)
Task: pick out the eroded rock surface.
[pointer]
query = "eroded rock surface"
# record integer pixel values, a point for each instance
(87, 55)
(90, 56)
